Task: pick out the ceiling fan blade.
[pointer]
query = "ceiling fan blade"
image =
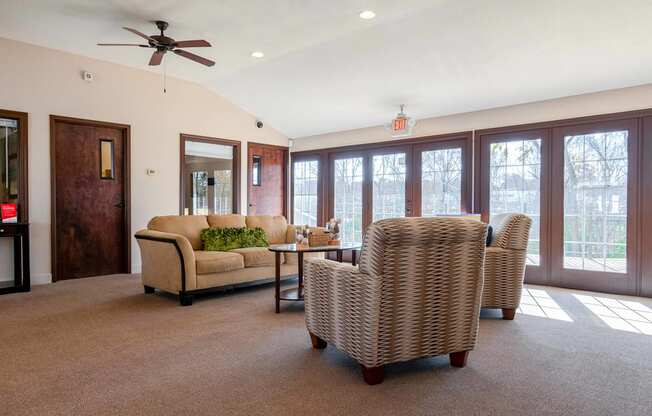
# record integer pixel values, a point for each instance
(156, 58)
(194, 57)
(122, 44)
(142, 35)
(200, 43)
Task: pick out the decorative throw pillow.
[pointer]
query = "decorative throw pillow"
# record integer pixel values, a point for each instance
(225, 239)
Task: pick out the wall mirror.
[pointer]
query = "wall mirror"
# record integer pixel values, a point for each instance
(13, 161)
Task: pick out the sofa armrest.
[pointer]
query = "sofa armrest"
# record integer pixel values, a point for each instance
(168, 261)
(343, 307)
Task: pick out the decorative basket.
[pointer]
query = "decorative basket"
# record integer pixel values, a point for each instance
(317, 240)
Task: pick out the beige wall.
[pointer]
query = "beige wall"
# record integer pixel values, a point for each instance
(43, 81)
(612, 101)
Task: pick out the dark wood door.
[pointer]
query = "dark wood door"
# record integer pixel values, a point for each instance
(267, 179)
(90, 199)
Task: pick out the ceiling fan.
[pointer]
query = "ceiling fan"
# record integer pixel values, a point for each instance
(163, 44)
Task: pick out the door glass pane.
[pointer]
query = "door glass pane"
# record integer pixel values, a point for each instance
(106, 159)
(199, 193)
(348, 175)
(209, 178)
(223, 185)
(306, 176)
(595, 202)
(441, 182)
(515, 184)
(388, 186)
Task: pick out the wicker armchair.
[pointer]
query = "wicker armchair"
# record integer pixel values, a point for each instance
(415, 294)
(504, 266)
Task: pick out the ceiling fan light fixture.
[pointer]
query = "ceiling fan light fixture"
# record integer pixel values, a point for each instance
(367, 15)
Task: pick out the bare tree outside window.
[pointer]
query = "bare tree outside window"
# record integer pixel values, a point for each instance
(441, 182)
(389, 186)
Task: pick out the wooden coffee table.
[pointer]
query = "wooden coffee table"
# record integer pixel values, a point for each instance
(296, 294)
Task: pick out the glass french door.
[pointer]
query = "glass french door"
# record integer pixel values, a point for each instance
(441, 181)
(513, 172)
(389, 185)
(347, 179)
(595, 180)
(305, 192)
(427, 178)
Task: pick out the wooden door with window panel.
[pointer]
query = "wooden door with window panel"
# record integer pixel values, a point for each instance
(90, 198)
(441, 175)
(514, 177)
(594, 229)
(267, 168)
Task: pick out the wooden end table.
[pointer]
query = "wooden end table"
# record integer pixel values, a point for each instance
(296, 294)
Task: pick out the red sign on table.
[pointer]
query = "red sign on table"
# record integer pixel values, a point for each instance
(9, 213)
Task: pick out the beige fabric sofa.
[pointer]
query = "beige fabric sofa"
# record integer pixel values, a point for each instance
(415, 294)
(173, 259)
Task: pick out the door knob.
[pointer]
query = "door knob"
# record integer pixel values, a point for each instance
(120, 204)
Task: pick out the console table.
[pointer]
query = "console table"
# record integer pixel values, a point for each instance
(20, 233)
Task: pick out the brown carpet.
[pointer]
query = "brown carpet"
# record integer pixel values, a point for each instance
(100, 346)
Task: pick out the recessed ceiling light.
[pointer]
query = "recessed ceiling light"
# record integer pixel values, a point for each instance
(367, 15)
(257, 54)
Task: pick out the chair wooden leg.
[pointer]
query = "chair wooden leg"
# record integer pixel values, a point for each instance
(317, 343)
(508, 314)
(373, 375)
(149, 289)
(458, 359)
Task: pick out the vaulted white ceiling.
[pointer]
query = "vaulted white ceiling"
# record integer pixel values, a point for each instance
(325, 69)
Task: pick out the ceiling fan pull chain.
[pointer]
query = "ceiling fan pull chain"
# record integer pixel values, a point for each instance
(165, 74)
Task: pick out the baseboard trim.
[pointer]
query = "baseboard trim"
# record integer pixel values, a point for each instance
(41, 278)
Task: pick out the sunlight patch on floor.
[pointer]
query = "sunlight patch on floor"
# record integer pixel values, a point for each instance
(619, 314)
(537, 302)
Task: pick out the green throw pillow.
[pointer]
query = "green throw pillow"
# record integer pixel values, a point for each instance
(225, 239)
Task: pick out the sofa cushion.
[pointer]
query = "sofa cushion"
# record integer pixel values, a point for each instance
(226, 221)
(217, 261)
(257, 256)
(275, 226)
(189, 226)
